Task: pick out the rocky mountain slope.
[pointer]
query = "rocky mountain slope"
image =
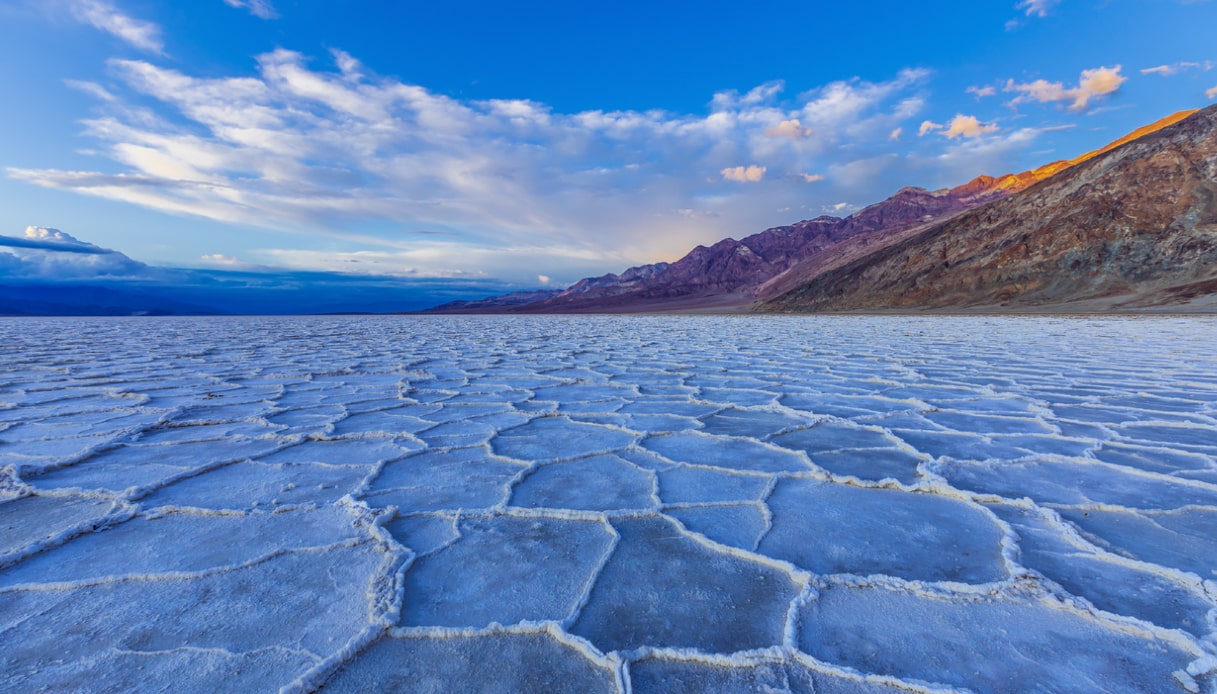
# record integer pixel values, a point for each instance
(1133, 226)
(734, 274)
(492, 304)
(855, 263)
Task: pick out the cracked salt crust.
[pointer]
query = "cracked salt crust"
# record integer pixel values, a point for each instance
(615, 504)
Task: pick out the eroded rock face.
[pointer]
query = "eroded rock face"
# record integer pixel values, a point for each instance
(1135, 226)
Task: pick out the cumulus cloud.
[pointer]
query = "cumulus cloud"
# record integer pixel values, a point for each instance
(1211, 93)
(981, 92)
(967, 126)
(792, 129)
(47, 239)
(960, 126)
(744, 174)
(895, 134)
(1092, 84)
(259, 8)
(544, 279)
(44, 253)
(102, 15)
(301, 146)
(811, 178)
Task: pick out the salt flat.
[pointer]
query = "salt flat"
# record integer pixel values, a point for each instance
(609, 504)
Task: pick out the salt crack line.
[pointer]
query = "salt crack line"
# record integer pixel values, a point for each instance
(593, 577)
(790, 629)
(797, 576)
(1034, 590)
(611, 661)
(58, 586)
(118, 512)
(1068, 532)
(914, 686)
(222, 652)
(387, 595)
(135, 493)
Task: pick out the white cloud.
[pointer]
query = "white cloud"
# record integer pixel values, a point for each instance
(544, 279)
(258, 8)
(102, 15)
(967, 126)
(981, 92)
(840, 208)
(93, 89)
(1211, 93)
(811, 178)
(50, 254)
(928, 126)
(731, 99)
(843, 107)
(1036, 8)
(337, 149)
(438, 261)
(1092, 84)
(895, 134)
(744, 174)
(1164, 70)
(1176, 68)
(967, 158)
(226, 261)
(792, 129)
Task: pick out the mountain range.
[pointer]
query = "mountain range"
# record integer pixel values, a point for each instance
(1131, 226)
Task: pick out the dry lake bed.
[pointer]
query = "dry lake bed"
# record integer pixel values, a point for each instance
(609, 504)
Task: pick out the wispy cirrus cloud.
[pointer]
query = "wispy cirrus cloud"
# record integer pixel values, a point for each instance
(1031, 8)
(262, 9)
(294, 147)
(1036, 8)
(1176, 68)
(102, 15)
(1093, 84)
(988, 153)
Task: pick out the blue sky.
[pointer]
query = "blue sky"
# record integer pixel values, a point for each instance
(506, 145)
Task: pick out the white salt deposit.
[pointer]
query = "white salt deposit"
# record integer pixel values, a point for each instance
(609, 504)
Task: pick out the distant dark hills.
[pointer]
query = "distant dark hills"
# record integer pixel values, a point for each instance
(1132, 226)
(176, 292)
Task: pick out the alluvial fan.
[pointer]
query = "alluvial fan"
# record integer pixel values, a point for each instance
(675, 504)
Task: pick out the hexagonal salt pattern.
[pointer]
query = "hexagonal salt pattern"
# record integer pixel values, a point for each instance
(608, 504)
